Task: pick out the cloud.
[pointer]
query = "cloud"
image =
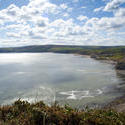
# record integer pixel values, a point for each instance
(13, 35)
(114, 4)
(98, 9)
(66, 15)
(112, 23)
(43, 22)
(106, 24)
(38, 36)
(83, 7)
(120, 12)
(9, 14)
(12, 10)
(82, 18)
(69, 9)
(63, 6)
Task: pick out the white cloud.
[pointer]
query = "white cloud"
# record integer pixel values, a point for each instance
(83, 7)
(120, 12)
(69, 9)
(98, 9)
(66, 15)
(13, 35)
(106, 24)
(112, 23)
(41, 21)
(32, 24)
(63, 6)
(82, 18)
(113, 4)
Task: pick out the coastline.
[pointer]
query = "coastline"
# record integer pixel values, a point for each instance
(118, 104)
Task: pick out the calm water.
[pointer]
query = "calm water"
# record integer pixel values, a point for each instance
(68, 79)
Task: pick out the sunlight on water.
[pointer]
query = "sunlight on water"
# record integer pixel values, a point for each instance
(55, 77)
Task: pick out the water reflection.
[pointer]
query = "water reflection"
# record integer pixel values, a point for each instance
(76, 80)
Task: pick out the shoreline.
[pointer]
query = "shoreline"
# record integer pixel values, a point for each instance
(118, 104)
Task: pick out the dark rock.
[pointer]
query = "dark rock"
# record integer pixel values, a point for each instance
(120, 65)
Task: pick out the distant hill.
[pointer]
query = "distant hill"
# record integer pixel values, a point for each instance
(55, 48)
(115, 53)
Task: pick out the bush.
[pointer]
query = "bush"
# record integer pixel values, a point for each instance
(24, 113)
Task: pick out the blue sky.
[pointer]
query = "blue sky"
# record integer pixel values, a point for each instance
(69, 22)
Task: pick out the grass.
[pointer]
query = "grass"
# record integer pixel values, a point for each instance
(24, 113)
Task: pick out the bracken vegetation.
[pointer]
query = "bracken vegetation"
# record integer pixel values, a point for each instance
(24, 113)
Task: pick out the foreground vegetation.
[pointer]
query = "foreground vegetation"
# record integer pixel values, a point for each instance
(115, 53)
(24, 113)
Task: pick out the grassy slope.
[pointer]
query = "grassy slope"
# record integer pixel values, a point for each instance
(116, 52)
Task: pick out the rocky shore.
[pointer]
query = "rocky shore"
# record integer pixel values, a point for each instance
(119, 64)
(119, 103)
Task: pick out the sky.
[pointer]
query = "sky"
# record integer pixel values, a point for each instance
(62, 22)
